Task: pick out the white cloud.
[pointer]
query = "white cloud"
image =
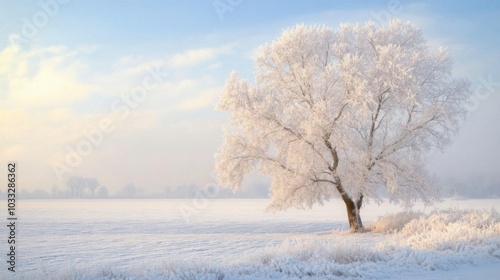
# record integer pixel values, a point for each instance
(197, 56)
(192, 57)
(45, 99)
(12, 152)
(203, 100)
(40, 77)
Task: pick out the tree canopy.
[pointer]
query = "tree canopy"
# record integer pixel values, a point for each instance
(342, 113)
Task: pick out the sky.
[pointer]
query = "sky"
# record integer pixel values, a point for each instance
(125, 91)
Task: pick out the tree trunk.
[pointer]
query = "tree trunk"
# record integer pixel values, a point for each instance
(352, 207)
(353, 214)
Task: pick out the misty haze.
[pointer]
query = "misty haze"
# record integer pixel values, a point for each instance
(234, 139)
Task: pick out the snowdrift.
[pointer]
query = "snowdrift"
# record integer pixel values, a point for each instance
(397, 244)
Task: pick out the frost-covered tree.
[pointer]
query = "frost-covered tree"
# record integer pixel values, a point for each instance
(342, 113)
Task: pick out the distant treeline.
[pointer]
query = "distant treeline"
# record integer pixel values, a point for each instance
(89, 188)
(471, 190)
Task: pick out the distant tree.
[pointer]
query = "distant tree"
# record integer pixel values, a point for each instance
(169, 191)
(102, 192)
(92, 184)
(342, 113)
(78, 185)
(60, 193)
(181, 191)
(39, 193)
(55, 191)
(129, 191)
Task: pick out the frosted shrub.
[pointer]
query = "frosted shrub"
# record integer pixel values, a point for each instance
(342, 253)
(394, 222)
(453, 230)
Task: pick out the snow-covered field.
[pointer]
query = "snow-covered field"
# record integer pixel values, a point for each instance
(237, 239)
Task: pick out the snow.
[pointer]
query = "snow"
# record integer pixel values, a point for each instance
(237, 239)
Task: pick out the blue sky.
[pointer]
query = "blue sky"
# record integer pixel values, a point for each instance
(65, 69)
